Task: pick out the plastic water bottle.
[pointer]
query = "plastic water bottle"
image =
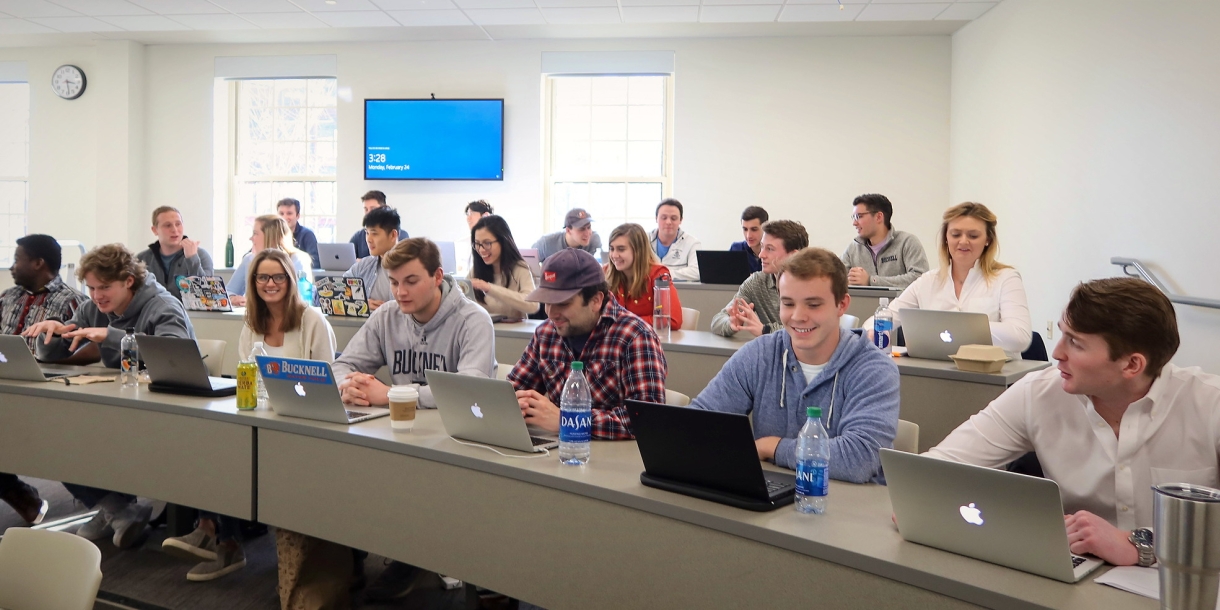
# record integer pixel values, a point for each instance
(261, 391)
(575, 418)
(812, 464)
(662, 309)
(306, 288)
(883, 326)
(129, 354)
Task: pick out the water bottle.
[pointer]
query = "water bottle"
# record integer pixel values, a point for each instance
(812, 464)
(306, 289)
(661, 308)
(129, 353)
(229, 252)
(261, 388)
(883, 326)
(575, 418)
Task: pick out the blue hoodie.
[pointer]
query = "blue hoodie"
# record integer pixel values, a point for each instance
(862, 379)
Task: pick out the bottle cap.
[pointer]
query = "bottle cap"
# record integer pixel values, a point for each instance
(258, 344)
(814, 412)
(884, 301)
(578, 365)
(131, 330)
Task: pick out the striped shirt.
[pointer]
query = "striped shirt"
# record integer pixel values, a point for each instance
(21, 309)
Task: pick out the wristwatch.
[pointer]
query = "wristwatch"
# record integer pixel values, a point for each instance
(1141, 539)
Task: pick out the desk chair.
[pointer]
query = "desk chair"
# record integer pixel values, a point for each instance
(677, 399)
(45, 569)
(502, 370)
(849, 321)
(690, 318)
(1037, 349)
(907, 440)
(213, 352)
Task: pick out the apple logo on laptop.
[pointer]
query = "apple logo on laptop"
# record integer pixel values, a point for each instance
(972, 515)
(476, 410)
(3, 358)
(946, 336)
(299, 388)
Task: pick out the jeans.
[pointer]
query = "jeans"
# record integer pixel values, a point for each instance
(8, 481)
(90, 496)
(227, 528)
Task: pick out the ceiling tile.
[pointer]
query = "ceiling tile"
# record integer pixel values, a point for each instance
(18, 26)
(506, 16)
(495, 4)
(739, 2)
(658, 2)
(358, 19)
(738, 14)
(34, 8)
(284, 21)
(414, 5)
(581, 16)
(76, 24)
(214, 22)
(257, 6)
(660, 14)
(339, 5)
(102, 7)
(144, 23)
(901, 12)
(966, 11)
(820, 12)
(575, 3)
(420, 18)
(179, 7)
(833, 3)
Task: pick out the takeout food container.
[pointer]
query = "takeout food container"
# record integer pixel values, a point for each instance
(980, 358)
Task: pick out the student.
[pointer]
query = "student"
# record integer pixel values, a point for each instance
(752, 220)
(173, 254)
(813, 362)
(622, 355)
(673, 246)
(303, 237)
(577, 233)
(381, 233)
(755, 307)
(371, 200)
(38, 294)
(122, 295)
(269, 232)
(971, 279)
(476, 211)
(287, 327)
(499, 276)
(881, 255)
(1117, 337)
(633, 272)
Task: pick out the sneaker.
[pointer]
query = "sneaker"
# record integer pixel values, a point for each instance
(199, 545)
(25, 500)
(98, 527)
(395, 582)
(129, 524)
(228, 560)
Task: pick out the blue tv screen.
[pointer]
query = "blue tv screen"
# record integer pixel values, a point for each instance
(434, 139)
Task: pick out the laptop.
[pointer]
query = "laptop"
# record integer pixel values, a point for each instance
(1005, 518)
(204, 293)
(530, 256)
(448, 256)
(341, 296)
(307, 389)
(723, 266)
(19, 364)
(337, 257)
(176, 367)
(937, 334)
(485, 411)
(706, 454)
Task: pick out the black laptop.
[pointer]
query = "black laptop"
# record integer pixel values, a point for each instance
(707, 455)
(723, 266)
(175, 366)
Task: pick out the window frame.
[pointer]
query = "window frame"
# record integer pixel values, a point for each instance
(7, 260)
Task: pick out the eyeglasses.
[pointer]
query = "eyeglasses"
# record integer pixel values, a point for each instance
(484, 246)
(278, 278)
(859, 216)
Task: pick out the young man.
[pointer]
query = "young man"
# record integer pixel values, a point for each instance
(673, 246)
(302, 237)
(621, 353)
(381, 233)
(880, 254)
(173, 255)
(39, 294)
(1113, 419)
(752, 220)
(577, 233)
(755, 307)
(122, 294)
(813, 363)
(371, 201)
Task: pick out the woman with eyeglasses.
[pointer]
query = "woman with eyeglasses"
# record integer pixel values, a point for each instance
(499, 276)
(270, 231)
(633, 272)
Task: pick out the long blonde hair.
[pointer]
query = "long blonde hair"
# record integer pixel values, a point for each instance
(258, 313)
(987, 262)
(642, 259)
(276, 233)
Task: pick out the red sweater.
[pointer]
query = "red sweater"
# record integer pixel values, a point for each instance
(643, 306)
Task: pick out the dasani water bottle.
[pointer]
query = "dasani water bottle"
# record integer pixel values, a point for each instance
(883, 326)
(812, 464)
(575, 418)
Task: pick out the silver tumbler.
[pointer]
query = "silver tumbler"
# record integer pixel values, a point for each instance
(1187, 545)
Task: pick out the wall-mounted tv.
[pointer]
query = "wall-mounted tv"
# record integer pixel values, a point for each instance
(433, 139)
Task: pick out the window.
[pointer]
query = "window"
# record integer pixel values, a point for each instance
(14, 166)
(282, 140)
(608, 148)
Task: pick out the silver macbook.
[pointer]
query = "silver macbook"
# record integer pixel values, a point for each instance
(484, 411)
(175, 366)
(448, 256)
(307, 388)
(530, 256)
(18, 363)
(1000, 517)
(937, 334)
(337, 257)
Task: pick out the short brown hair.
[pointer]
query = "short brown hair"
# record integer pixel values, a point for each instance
(112, 263)
(793, 233)
(377, 196)
(408, 250)
(755, 213)
(812, 263)
(1132, 315)
(163, 209)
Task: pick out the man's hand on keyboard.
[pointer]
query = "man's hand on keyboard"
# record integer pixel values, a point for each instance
(1092, 535)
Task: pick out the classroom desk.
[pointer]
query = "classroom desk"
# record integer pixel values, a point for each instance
(864, 301)
(707, 298)
(557, 536)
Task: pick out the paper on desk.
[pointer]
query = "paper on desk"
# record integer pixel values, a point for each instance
(1132, 579)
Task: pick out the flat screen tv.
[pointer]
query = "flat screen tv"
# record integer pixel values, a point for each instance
(431, 139)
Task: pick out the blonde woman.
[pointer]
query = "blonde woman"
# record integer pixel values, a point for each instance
(270, 231)
(971, 279)
(633, 271)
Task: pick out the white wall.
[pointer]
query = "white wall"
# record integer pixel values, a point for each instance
(1092, 129)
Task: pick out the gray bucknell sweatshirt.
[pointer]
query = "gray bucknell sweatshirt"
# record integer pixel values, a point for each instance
(458, 339)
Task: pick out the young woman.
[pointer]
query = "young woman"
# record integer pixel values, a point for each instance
(477, 210)
(633, 271)
(498, 275)
(270, 231)
(971, 279)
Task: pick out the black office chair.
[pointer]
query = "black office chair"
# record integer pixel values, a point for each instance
(1036, 350)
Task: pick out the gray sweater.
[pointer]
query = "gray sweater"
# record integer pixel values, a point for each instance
(759, 289)
(458, 339)
(900, 262)
(198, 265)
(554, 242)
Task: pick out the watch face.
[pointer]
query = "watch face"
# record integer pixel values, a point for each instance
(1142, 536)
(68, 82)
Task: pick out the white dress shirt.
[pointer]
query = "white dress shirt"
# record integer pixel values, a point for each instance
(1171, 435)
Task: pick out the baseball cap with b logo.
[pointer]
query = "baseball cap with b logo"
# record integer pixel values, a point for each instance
(564, 274)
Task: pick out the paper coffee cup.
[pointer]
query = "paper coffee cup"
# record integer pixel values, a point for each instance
(404, 399)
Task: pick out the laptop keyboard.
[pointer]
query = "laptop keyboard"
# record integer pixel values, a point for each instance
(1076, 561)
(356, 414)
(540, 441)
(773, 486)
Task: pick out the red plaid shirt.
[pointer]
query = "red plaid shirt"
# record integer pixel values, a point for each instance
(623, 360)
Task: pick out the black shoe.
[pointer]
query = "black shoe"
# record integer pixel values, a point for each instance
(25, 500)
(395, 582)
